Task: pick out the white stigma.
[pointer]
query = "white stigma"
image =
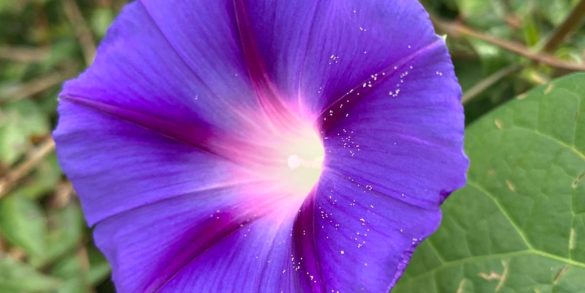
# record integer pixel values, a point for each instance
(303, 154)
(294, 161)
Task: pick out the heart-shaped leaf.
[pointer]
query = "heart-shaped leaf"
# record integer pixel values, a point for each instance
(519, 224)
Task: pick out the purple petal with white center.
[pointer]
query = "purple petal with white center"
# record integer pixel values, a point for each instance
(316, 51)
(140, 75)
(387, 171)
(264, 145)
(197, 240)
(161, 206)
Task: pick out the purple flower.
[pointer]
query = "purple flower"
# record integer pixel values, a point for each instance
(242, 146)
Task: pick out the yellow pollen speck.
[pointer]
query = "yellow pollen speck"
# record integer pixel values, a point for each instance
(498, 123)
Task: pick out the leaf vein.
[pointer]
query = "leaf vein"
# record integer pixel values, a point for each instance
(560, 142)
(503, 210)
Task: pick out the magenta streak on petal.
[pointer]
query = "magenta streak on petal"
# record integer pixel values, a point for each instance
(219, 226)
(268, 95)
(354, 95)
(262, 157)
(199, 134)
(305, 253)
(235, 110)
(192, 134)
(198, 240)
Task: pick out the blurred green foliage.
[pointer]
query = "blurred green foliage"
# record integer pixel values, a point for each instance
(45, 245)
(527, 22)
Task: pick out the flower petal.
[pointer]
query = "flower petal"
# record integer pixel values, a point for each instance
(316, 51)
(168, 208)
(394, 154)
(143, 121)
(204, 240)
(142, 70)
(226, 239)
(404, 135)
(171, 104)
(361, 240)
(255, 258)
(116, 165)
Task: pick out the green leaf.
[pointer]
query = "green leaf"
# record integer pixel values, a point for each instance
(43, 179)
(19, 277)
(74, 285)
(67, 231)
(12, 141)
(101, 20)
(519, 224)
(18, 122)
(99, 269)
(71, 266)
(22, 224)
(474, 11)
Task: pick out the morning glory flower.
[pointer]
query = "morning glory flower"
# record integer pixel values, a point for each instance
(273, 146)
